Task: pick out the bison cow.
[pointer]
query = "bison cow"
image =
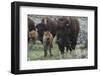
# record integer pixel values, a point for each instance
(67, 33)
(46, 25)
(31, 26)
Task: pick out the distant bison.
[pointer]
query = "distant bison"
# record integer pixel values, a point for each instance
(33, 36)
(47, 42)
(31, 26)
(46, 25)
(67, 33)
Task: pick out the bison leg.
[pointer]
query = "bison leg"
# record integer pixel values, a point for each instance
(50, 51)
(45, 50)
(33, 41)
(61, 48)
(68, 48)
(74, 42)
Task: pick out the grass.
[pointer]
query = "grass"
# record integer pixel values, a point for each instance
(36, 52)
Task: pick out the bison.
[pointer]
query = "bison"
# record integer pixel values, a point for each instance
(46, 25)
(47, 42)
(31, 26)
(33, 36)
(67, 33)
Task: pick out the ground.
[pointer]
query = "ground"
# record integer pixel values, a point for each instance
(36, 52)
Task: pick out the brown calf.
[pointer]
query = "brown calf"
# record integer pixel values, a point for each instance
(47, 42)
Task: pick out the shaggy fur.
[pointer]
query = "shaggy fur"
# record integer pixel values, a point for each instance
(33, 35)
(47, 42)
(67, 33)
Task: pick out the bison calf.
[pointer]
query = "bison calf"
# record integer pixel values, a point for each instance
(47, 42)
(33, 35)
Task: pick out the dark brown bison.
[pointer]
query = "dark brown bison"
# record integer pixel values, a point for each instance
(46, 25)
(47, 42)
(31, 26)
(67, 33)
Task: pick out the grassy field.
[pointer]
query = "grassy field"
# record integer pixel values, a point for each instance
(36, 52)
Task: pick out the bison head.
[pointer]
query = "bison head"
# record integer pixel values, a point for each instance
(63, 31)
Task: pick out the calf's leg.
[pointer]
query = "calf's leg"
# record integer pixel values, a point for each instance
(50, 51)
(45, 50)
